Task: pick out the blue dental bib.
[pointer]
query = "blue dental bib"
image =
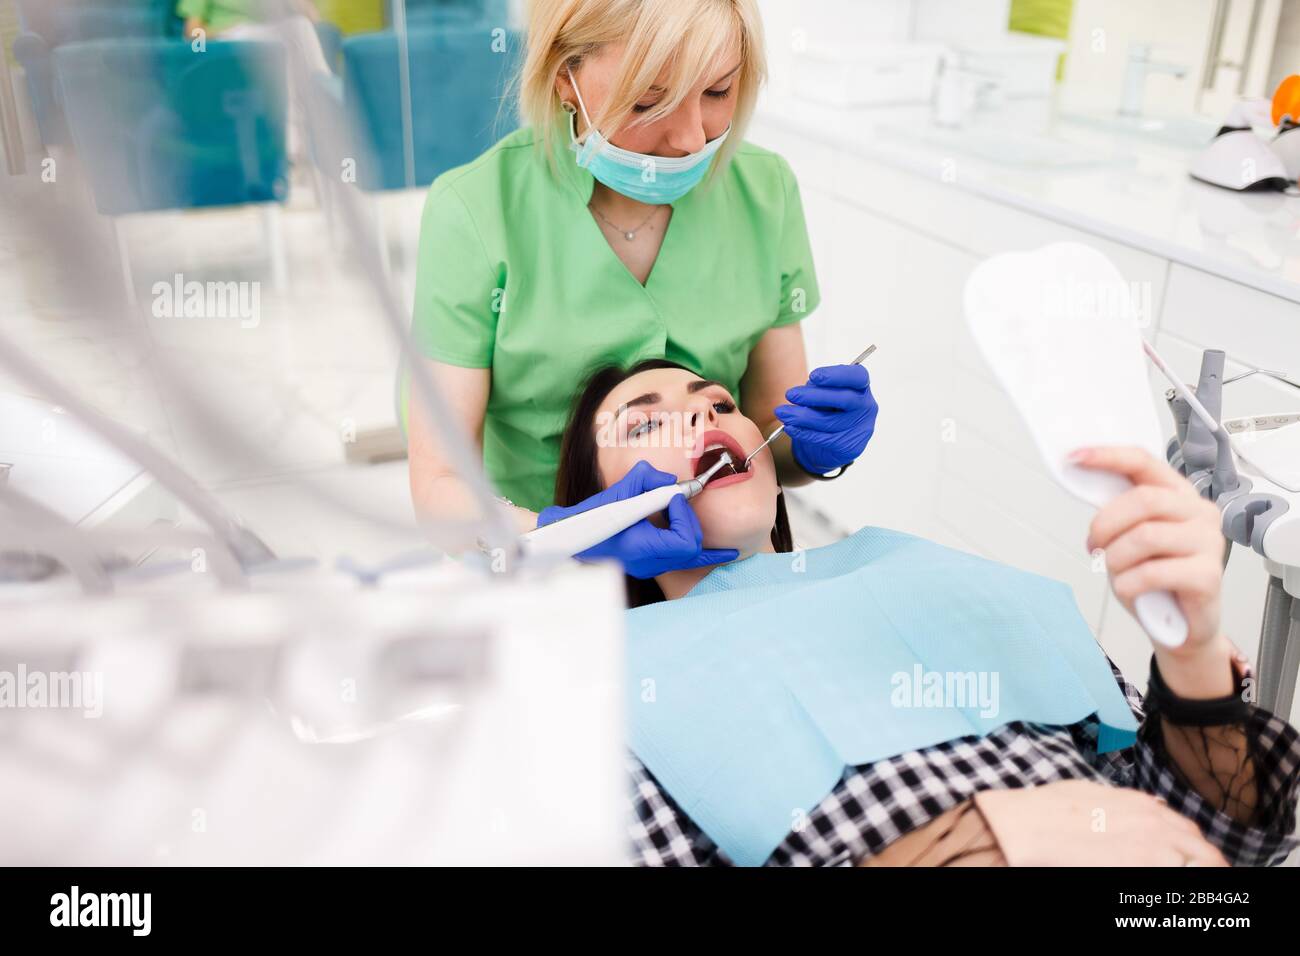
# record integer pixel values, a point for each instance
(748, 697)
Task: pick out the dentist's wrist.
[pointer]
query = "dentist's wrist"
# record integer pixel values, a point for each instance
(828, 475)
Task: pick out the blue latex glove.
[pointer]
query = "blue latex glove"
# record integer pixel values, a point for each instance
(832, 417)
(643, 549)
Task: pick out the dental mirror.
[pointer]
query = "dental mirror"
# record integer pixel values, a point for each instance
(1060, 328)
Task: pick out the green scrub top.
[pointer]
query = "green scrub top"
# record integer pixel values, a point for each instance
(217, 14)
(514, 274)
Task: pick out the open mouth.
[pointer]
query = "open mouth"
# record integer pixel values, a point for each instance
(709, 449)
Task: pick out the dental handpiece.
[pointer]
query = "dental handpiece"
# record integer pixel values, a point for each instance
(577, 533)
(781, 428)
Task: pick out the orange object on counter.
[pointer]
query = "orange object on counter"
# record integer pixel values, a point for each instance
(1286, 101)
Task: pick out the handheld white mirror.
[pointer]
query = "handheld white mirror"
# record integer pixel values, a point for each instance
(1060, 328)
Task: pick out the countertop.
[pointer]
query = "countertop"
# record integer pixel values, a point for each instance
(1079, 171)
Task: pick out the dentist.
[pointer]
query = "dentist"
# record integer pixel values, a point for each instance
(626, 219)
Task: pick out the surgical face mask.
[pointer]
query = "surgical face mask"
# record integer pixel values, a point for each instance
(655, 180)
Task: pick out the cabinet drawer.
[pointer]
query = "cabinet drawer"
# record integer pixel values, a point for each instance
(1253, 327)
(1023, 490)
(979, 405)
(954, 215)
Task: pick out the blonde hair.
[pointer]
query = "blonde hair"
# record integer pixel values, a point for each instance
(682, 37)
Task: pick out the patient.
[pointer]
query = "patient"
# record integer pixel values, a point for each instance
(1210, 780)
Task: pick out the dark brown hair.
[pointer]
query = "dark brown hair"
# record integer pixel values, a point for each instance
(579, 474)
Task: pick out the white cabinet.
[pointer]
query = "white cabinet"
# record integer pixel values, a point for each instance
(888, 285)
(1253, 327)
(951, 459)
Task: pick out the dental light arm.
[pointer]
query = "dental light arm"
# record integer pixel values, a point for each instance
(36, 527)
(69, 232)
(244, 547)
(329, 137)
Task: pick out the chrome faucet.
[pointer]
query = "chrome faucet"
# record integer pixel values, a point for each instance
(1140, 66)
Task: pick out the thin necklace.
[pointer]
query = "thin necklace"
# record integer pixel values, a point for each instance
(628, 234)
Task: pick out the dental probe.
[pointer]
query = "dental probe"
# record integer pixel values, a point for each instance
(577, 533)
(770, 438)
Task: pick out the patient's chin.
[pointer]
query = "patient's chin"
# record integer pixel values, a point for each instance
(735, 523)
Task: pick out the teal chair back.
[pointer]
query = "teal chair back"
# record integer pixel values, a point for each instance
(430, 12)
(46, 25)
(74, 21)
(159, 126)
(458, 79)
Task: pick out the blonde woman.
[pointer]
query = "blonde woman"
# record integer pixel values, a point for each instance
(626, 219)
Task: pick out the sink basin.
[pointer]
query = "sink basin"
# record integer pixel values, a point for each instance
(1003, 146)
(1183, 132)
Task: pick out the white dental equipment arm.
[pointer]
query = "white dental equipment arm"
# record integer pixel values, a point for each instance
(243, 546)
(1225, 474)
(577, 533)
(1259, 504)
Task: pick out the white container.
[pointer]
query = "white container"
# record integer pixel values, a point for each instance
(862, 21)
(866, 75)
(960, 21)
(1287, 147)
(1024, 65)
